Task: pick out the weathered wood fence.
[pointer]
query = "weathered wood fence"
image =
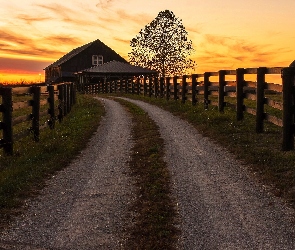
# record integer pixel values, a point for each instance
(27, 110)
(225, 88)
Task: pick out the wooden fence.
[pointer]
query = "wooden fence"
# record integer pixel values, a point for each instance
(229, 89)
(27, 110)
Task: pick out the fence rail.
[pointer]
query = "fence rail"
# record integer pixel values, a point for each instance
(27, 110)
(225, 88)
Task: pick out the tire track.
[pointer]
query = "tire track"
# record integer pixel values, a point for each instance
(220, 205)
(85, 205)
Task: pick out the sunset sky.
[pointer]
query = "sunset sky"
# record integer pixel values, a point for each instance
(226, 34)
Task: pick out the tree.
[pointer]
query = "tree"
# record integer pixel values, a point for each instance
(163, 46)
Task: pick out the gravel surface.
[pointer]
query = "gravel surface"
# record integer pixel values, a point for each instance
(85, 206)
(220, 205)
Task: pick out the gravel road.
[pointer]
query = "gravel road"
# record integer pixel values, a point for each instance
(85, 206)
(220, 205)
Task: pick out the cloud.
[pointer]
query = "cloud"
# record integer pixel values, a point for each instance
(22, 65)
(104, 4)
(45, 47)
(31, 19)
(122, 40)
(236, 52)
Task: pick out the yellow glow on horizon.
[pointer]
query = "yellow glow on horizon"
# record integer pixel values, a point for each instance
(226, 34)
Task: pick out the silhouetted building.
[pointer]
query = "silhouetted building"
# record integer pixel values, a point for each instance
(292, 64)
(89, 55)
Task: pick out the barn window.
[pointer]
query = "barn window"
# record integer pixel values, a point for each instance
(97, 60)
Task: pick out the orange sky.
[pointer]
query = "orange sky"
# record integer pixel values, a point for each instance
(226, 34)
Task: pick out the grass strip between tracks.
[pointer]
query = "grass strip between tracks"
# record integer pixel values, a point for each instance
(154, 227)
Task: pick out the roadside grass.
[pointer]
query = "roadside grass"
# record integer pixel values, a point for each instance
(154, 226)
(261, 152)
(24, 173)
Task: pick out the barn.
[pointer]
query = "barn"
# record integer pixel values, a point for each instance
(89, 55)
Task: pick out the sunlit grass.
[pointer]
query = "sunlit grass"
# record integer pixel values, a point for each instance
(33, 162)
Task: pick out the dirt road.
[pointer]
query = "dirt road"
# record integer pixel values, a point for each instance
(86, 205)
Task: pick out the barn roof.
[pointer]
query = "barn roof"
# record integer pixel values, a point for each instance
(73, 53)
(115, 67)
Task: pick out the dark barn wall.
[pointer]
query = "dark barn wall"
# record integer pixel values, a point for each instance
(84, 59)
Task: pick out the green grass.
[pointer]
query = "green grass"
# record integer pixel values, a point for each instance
(156, 215)
(24, 172)
(261, 152)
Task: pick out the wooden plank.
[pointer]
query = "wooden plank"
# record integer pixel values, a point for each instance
(274, 104)
(273, 119)
(274, 87)
(230, 88)
(251, 71)
(213, 88)
(19, 105)
(21, 119)
(213, 73)
(274, 70)
(230, 72)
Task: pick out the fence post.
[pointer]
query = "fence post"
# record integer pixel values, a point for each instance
(7, 120)
(121, 85)
(194, 89)
(240, 93)
(221, 90)
(150, 86)
(261, 71)
(288, 109)
(138, 85)
(167, 88)
(36, 91)
(206, 89)
(162, 80)
(69, 99)
(74, 93)
(132, 86)
(156, 79)
(126, 81)
(144, 86)
(66, 98)
(61, 102)
(175, 88)
(183, 90)
(51, 110)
